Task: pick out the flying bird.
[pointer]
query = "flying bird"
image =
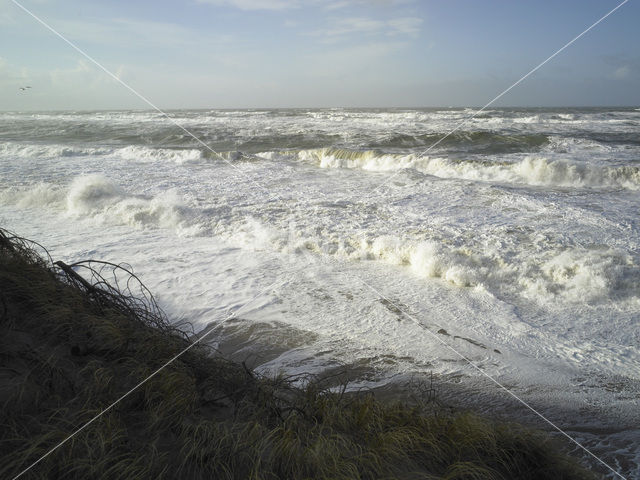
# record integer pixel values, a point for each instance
(24, 88)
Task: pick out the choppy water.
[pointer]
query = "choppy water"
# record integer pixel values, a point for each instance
(515, 240)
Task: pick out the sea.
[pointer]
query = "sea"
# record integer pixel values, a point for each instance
(491, 256)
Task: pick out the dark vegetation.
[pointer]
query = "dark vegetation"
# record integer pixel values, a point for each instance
(76, 338)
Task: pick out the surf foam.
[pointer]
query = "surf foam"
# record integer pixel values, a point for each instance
(531, 170)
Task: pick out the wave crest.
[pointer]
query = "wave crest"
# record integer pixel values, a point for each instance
(531, 170)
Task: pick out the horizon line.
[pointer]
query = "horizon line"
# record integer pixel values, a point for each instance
(335, 107)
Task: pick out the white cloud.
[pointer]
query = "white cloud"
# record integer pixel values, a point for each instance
(405, 26)
(348, 26)
(6, 10)
(6, 20)
(83, 75)
(290, 4)
(622, 72)
(80, 85)
(11, 76)
(255, 4)
(344, 27)
(350, 61)
(128, 32)
(337, 5)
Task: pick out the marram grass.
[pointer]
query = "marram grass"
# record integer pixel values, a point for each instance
(70, 348)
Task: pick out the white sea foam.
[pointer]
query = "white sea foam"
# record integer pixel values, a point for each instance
(92, 193)
(574, 274)
(527, 244)
(581, 275)
(531, 170)
(528, 119)
(97, 197)
(20, 150)
(552, 271)
(541, 171)
(559, 144)
(134, 153)
(555, 272)
(145, 154)
(39, 195)
(102, 200)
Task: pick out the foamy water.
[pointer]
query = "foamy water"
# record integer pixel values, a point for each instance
(514, 242)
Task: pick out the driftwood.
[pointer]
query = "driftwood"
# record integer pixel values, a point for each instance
(116, 287)
(108, 285)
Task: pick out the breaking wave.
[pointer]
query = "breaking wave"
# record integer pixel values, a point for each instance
(531, 170)
(146, 154)
(476, 141)
(572, 274)
(98, 198)
(553, 270)
(134, 153)
(18, 150)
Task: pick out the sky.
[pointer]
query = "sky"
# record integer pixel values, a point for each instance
(317, 53)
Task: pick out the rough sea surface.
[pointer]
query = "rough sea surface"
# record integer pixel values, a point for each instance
(325, 237)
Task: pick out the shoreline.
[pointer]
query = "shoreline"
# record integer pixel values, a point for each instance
(72, 347)
(602, 432)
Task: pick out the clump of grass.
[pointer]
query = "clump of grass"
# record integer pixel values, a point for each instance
(72, 344)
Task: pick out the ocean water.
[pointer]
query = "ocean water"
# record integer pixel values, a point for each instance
(309, 235)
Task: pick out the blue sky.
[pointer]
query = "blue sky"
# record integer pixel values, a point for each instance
(313, 53)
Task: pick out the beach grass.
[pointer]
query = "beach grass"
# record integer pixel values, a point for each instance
(73, 344)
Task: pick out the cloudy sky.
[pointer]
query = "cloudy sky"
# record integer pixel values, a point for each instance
(317, 53)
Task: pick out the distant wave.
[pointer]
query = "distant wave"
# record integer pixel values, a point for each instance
(531, 170)
(130, 153)
(500, 262)
(476, 141)
(32, 150)
(145, 154)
